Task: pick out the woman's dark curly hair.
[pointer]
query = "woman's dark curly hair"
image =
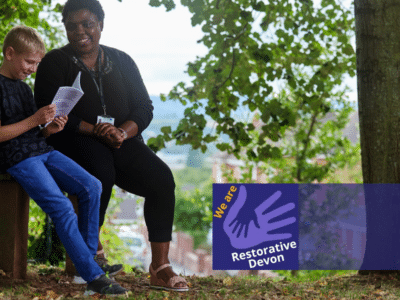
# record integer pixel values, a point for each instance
(93, 6)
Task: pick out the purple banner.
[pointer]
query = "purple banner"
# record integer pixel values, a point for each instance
(299, 226)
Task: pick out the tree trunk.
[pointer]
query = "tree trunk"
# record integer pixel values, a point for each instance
(378, 64)
(253, 272)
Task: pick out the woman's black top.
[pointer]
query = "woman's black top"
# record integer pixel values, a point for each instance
(125, 95)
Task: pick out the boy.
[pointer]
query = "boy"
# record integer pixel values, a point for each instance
(42, 171)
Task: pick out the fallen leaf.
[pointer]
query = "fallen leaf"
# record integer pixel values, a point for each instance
(62, 281)
(379, 293)
(311, 291)
(227, 281)
(51, 294)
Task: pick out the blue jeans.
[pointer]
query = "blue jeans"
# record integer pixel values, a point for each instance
(43, 177)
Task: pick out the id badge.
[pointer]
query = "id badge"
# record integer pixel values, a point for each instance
(105, 119)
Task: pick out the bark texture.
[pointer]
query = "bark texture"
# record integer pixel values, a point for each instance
(378, 68)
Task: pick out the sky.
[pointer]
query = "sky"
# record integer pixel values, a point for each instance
(161, 43)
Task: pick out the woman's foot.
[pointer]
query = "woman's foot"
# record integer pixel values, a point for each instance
(160, 270)
(163, 277)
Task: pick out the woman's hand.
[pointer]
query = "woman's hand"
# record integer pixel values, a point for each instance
(55, 126)
(109, 134)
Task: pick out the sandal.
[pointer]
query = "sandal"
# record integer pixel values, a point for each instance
(159, 283)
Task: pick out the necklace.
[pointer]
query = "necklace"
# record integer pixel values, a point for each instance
(95, 66)
(106, 64)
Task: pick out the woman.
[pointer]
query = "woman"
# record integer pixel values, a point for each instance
(103, 129)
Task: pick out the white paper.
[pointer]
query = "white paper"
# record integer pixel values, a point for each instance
(67, 97)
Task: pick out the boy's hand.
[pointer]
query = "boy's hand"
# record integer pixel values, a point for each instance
(56, 126)
(45, 114)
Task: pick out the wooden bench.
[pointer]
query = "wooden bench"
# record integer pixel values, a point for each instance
(14, 218)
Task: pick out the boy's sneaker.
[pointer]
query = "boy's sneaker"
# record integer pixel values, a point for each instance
(104, 286)
(111, 270)
(102, 262)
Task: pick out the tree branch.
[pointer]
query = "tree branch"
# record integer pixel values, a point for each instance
(217, 87)
(232, 68)
(300, 158)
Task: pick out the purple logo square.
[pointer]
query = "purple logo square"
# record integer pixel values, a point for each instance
(255, 226)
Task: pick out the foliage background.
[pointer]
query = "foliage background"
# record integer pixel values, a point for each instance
(193, 206)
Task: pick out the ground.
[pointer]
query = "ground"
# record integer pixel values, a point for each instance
(52, 283)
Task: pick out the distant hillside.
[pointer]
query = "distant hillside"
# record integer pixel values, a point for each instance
(167, 110)
(167, 114)
(170, 112)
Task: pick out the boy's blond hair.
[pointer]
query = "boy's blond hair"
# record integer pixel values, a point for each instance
(24, 39)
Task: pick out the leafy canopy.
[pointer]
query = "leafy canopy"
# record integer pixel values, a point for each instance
(39, 14)
(253, 45)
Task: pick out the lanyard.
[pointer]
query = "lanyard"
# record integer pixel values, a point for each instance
(99, 85)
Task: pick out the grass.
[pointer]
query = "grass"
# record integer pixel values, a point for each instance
(307, 276)
(55, 284)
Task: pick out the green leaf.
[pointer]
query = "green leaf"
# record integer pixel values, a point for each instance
(348, 50)
(280, 33)
(166, 129)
